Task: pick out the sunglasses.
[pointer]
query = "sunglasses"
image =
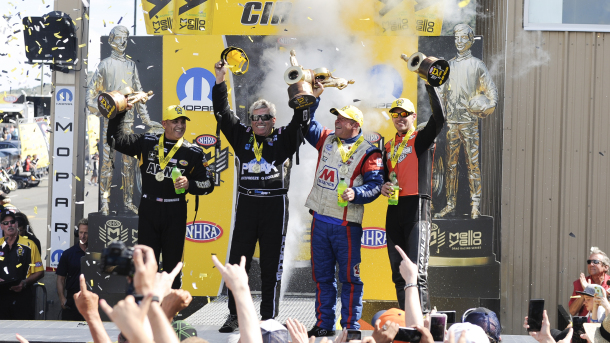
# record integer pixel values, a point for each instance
(8, 222)
(593, 261)
(263, 117)
(403, 114)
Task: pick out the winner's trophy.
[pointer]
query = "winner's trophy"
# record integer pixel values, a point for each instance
(302, 81)
(111, 103)
(434, 71)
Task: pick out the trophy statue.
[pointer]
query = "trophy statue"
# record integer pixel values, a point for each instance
(434, 71)
(302, 81)
(238, 62)
(111, 103)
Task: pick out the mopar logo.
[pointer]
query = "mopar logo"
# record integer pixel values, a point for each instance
(64, 94)
(206, 141)
(373, 238)
(194, 89)
(254, 13)
(203, 232)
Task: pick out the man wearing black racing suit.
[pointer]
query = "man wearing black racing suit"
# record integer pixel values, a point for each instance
(264, 156)
(162, 212)
(408, 159)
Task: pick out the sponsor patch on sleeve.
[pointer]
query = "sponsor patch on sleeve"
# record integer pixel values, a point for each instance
(38, 264)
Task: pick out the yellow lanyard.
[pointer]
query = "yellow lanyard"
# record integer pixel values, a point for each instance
(258, 149)
(401, 146)
(346, 155)
(164, 160)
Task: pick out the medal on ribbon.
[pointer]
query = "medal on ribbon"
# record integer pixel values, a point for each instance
(345, 155)
(258, 153)
(396, 154)
(164, 160)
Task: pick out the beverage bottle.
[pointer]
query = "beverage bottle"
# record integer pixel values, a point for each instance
(176, 174)
(393, 199)
(340, 189)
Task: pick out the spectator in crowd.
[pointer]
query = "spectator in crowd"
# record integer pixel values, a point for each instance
(487, 320)
(68, 271)
(597, 266)
(544, 335)
(25, 230)
(34, 164)
(95, 166)
(21, 267)
(27, 165)
(336, 230)
(5, 203)
(595, 313)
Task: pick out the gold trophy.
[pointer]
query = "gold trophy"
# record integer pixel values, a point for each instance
(434, 71)
(237, 60)
(302, 81)
(111, 103)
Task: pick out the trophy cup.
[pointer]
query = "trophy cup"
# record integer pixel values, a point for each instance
(111, 103)
(302, 81)
(236, 59)
(434, 71)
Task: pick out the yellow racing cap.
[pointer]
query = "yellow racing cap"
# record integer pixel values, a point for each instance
(173, 112)
(350, 112)
(403, 103)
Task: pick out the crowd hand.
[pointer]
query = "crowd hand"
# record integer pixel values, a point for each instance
(342, 337)
(63, 302)
(426, 336)
(583, 280)
(181, 182)
(408, 270)
(582, 336)
(176, 301)
(163, 282)
(129, 317)
(386, 333)
(427, 318)
(235, 276)
(146, 268)
(21, 339)
(86, 301)
(387, 189)
(348, 194)
(544, 335)
(450, 338)
(318, 89)
(603, 302)
(298, 332)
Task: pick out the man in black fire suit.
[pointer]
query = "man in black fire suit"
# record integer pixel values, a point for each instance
(264, 156)
(162, 212)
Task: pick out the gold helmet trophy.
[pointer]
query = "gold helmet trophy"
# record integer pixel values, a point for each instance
(111, 103)
(301, 82)
(238, 62)
(434, 71)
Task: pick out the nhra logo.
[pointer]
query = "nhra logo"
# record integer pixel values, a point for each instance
(328, 178)
(10, 98)
(194, 89)
(372, 137)
(373, 238)
(252, 15)
(64, 95)
(206, 141)
(203, 232)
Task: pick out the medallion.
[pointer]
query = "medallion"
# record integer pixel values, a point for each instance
(256, 168)
(159, 176)
(343, 170)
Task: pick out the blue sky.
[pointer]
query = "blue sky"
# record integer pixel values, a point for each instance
(19, 74)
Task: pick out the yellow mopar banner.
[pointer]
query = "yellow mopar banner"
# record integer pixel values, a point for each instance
(209, 234)
(159, 16)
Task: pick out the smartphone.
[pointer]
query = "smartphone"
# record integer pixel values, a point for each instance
(450, 317)
(407, 335)
(534, 314)
(577, 323)
(438, 325)
(354, 335)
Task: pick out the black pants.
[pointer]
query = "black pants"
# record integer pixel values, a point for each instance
(162, 226)
(408, 226)
(262, 219)
(17, 305)
(71, 312)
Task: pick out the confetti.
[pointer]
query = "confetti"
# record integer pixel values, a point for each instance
(85, 3)
(88, 265)
(176, 38)
(41, 311)
(124, 81)
(79, 202)
(183, 71)
(572, 235)
(82, 45)
(366, 19)
(195, 54)
(140, 127)
(91, 283)
(463, 3)
(6, 272)
(309, 18)
(387, 117)
(250, 39)
(194, 283)
(35, 209)
(150, 67)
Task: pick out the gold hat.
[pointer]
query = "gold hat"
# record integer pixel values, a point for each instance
(598, 332)
(403, 103)
(350, 112)
(173, 112)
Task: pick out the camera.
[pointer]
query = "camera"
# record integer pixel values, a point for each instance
(117, 259)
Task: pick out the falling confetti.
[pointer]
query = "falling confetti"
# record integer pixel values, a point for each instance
(149, 67)
(35, 209)
(572, 235)
(80, 203)
(140, 127)
(387, 117)
(194, 284)
(309, 18)
(463, 3)
(88, 265)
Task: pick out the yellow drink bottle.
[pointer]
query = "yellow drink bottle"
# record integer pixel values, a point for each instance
(176, 174)
(340, 189)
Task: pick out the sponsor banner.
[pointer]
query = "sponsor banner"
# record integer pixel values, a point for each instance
(93, 133)
(159, 16)
(407, 18)
(33, 142)
(193, 17)
(61, 177)
(189, 83)
(203, 232)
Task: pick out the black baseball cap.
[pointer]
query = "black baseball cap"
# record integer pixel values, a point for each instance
(5, 213)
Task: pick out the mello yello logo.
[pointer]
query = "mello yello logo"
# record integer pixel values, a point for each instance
(203, 232)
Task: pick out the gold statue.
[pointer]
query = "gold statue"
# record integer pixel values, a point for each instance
(469, 94)
(116, 73)
(301, 82)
